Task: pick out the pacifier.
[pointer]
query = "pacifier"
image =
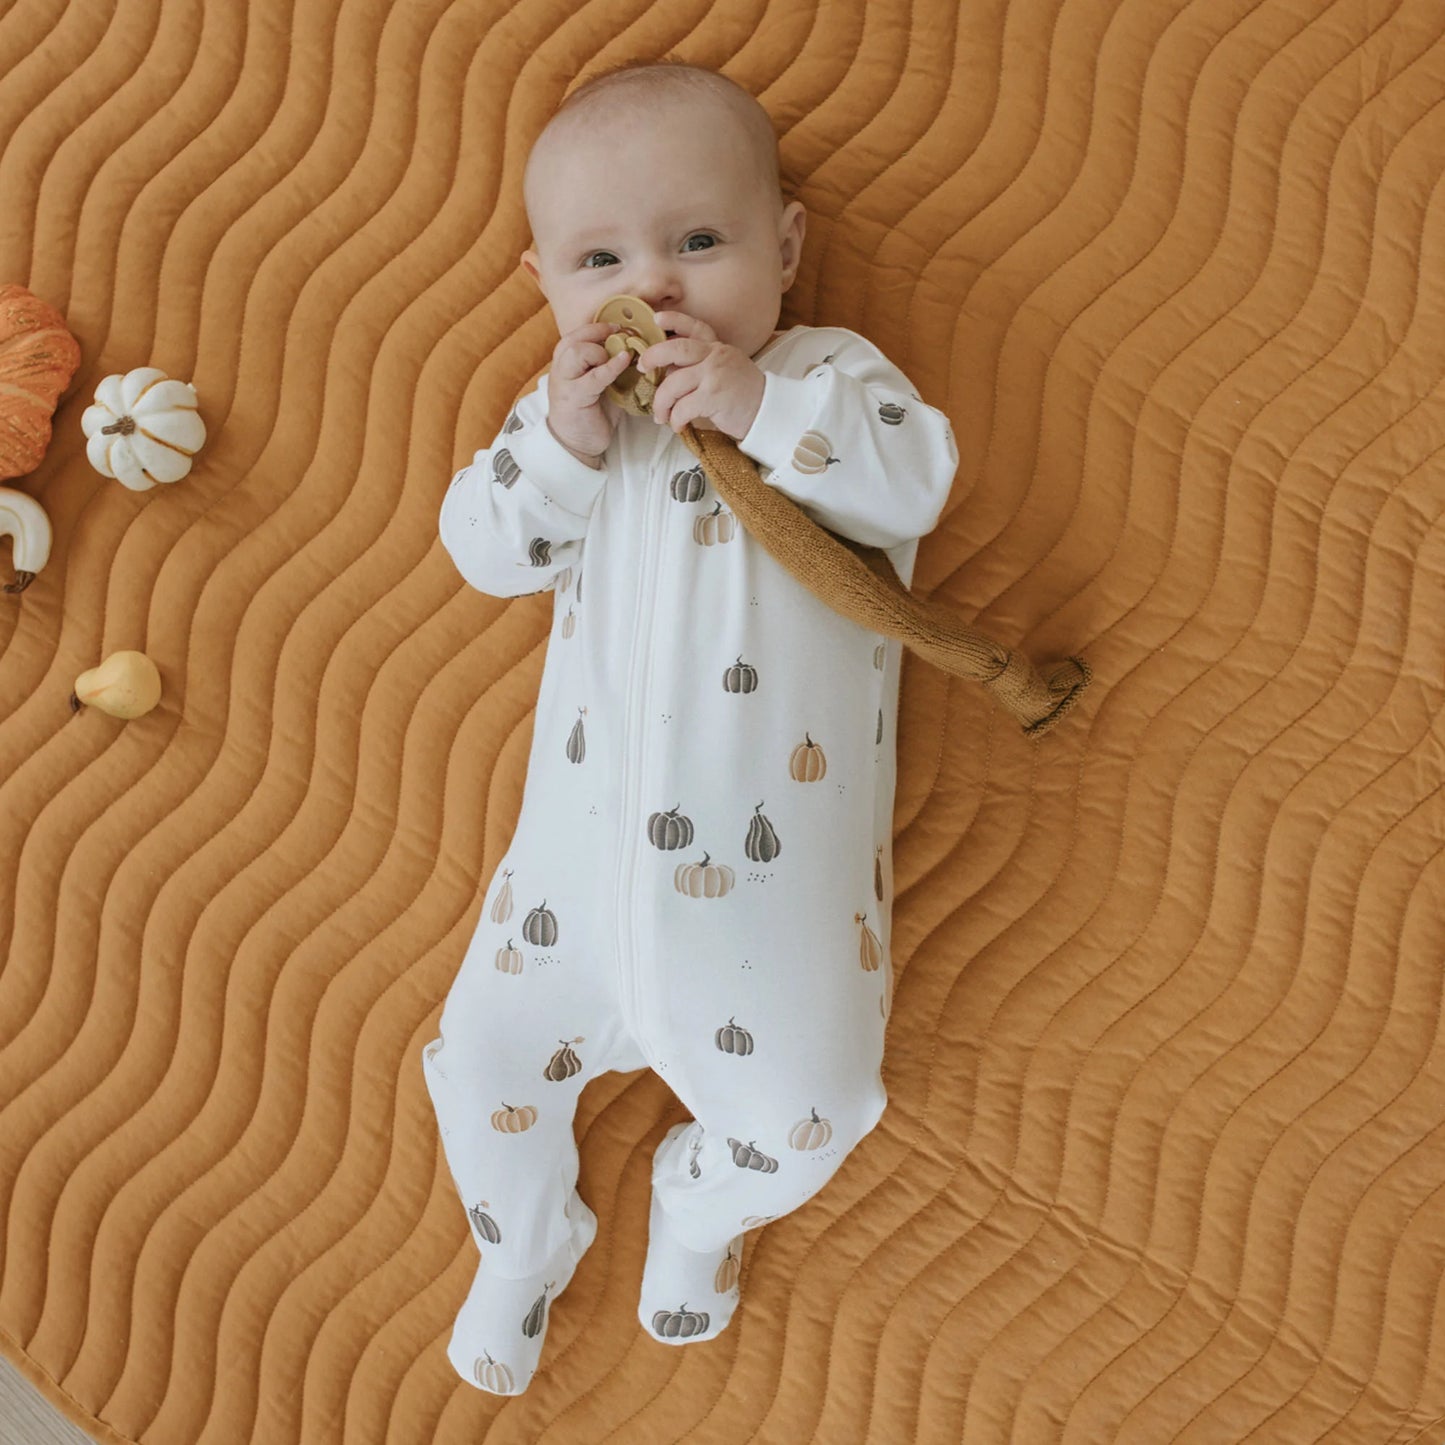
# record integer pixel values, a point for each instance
(634, 389)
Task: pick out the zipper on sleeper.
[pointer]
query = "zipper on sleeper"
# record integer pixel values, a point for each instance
(631, 776)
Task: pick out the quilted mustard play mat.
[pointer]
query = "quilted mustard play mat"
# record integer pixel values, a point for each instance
(1164, 1156)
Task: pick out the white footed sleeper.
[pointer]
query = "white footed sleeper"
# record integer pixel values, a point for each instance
(700, 881)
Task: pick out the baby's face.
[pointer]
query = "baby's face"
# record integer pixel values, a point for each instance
(668, 207)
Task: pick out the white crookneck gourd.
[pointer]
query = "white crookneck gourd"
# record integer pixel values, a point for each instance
(23, 519)
(143, 428)
(126, 685)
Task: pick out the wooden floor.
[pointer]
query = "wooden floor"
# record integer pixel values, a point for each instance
(27, 1418)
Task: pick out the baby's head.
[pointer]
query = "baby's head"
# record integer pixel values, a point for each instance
(636, 166)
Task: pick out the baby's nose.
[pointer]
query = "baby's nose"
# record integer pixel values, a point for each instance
(668, 300)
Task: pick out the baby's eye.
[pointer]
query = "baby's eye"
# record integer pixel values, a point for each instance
(588, 257)
(702, 236)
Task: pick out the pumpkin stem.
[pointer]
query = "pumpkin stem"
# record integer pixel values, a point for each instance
(125, 426)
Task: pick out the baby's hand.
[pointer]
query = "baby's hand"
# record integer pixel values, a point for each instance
(710, 381)
(581, 371)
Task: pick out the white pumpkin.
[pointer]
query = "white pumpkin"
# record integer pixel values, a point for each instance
(143, 428)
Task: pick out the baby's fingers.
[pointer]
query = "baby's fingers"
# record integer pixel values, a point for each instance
(580, 362)
(592, 331)
(579, 349)
(612, 368)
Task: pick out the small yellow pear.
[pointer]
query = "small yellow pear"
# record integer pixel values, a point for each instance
(126, 684)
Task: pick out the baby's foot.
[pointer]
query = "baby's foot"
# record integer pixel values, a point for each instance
(686, 1297)
(499, 1331)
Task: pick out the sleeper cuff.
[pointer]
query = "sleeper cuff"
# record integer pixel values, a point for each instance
(554, 471)
(775, 431)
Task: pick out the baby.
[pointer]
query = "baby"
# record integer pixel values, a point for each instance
(700, 880)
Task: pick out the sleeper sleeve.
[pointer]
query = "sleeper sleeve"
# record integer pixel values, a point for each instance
(515, 516)
(853, 445)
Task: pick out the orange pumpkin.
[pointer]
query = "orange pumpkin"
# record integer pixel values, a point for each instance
(703, 880)
(502, 908)
(728, 1271)
(870, 950)
(493, 1375)
(508, 1120)
(813, 453)
(812, 1132)
(715, 527)
(38, 356)
(807, 764)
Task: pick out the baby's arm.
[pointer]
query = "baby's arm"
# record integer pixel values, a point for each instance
(851, 443)
(516, 516)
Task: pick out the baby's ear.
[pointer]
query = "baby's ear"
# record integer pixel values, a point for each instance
(530, 263)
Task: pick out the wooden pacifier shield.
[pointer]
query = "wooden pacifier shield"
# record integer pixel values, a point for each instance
(634, 389)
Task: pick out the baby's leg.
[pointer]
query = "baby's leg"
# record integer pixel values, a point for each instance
(525, 1025)
(780, 1096)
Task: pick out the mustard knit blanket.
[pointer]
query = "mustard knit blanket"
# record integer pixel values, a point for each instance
(855, 580)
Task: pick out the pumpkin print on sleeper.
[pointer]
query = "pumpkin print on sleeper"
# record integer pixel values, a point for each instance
(689, 485)
(491, 1375)
(505, 472)
(705, 840)
(568, 628)
(495, 1375)
(681, 1323)
(712, 876)
(539, 928)
(564, 1064)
